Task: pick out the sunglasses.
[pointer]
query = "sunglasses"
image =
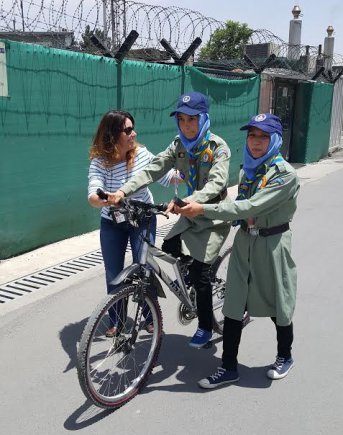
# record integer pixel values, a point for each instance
(128, 130)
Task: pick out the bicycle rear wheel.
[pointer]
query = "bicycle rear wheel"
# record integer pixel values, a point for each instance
(112, 371)
(218, 279)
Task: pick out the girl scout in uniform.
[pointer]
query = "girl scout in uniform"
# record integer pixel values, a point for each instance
(202, 160)
(261, 270)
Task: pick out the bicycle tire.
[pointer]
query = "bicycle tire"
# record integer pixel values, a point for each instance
(112, 371)
(218, 279)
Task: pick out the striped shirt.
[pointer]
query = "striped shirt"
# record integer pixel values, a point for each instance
(112, 178)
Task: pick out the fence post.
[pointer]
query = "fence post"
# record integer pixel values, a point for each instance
(119, 85)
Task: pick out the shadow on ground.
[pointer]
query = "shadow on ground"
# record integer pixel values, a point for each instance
(178, 369)
(189, 365)
(70, 336)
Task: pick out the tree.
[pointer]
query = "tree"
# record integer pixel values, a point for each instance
(227, 43)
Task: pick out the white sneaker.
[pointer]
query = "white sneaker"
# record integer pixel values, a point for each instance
(280, 368)
(219, 378)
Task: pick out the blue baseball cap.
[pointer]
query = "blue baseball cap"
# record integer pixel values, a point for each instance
(192, 104)
(265, 122)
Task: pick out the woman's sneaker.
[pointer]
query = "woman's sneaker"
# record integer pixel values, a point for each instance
(200, 338)
(280, 368)
(220, 377)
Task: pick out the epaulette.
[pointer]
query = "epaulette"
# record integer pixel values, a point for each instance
(214, 145)
(281, 166)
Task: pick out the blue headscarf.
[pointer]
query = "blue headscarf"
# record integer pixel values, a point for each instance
(250, 164)
(195, 147)
(204, 125)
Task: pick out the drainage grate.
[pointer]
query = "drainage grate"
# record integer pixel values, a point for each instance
(164, 229)
(30, 283)
(45, 277)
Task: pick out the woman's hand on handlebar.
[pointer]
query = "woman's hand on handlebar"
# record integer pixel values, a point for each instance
(96, 201)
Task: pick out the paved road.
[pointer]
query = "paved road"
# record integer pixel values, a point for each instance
(40, 392)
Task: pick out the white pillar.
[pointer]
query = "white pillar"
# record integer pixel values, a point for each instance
(294, 39)
(329, 43)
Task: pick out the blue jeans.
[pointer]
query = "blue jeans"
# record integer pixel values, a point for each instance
(114, 239)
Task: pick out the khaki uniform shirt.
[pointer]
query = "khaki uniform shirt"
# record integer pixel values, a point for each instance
(261, 273)
(201, 238)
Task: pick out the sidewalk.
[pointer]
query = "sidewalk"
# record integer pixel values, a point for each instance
(65, 250)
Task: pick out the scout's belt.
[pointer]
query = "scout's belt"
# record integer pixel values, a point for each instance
(218, 198)
(265, 232)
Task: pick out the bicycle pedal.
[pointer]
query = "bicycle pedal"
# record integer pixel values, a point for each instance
(208, 345)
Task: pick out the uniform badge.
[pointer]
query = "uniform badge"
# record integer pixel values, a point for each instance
(181, 155)
(222, 153)
(206, 156)
(262, 183)
(278, 181)
(260, 118)
(186, 98)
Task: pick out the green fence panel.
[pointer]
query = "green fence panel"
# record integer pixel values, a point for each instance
(47, 122)
(56, 100)
(312, 122)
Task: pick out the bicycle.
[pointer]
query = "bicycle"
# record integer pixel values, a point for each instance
(112, 371)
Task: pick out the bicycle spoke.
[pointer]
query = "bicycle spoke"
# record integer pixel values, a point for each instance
(117, 367)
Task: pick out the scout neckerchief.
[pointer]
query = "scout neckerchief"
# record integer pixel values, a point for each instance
(193, 156)
(195, 147)
(260, 173)
(271, 158)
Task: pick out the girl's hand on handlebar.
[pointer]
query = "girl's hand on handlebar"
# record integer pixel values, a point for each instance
(115, 198)
(170, 208)
(192, 209)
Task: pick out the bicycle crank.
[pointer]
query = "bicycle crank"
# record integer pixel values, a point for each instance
(185, 315)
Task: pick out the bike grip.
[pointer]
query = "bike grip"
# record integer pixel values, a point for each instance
(101, 194)
(179, 202)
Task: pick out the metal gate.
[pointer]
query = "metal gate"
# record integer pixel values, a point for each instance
(283, 107)
(277, 95)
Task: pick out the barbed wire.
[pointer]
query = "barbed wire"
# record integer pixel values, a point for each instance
(114, 19)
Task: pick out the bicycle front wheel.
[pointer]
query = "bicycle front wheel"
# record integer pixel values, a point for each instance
(113, 370)
(218, 278)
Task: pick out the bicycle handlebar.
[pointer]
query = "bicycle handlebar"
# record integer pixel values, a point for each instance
(101, 194)
(134, 205)
(126, 202)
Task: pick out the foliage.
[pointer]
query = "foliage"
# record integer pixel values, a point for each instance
(227, 43)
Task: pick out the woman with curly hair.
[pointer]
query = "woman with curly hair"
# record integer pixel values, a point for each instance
(116, 157)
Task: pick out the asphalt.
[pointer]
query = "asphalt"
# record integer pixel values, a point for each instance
(47, 256)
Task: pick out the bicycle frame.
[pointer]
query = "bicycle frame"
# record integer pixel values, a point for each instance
(147, 263)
